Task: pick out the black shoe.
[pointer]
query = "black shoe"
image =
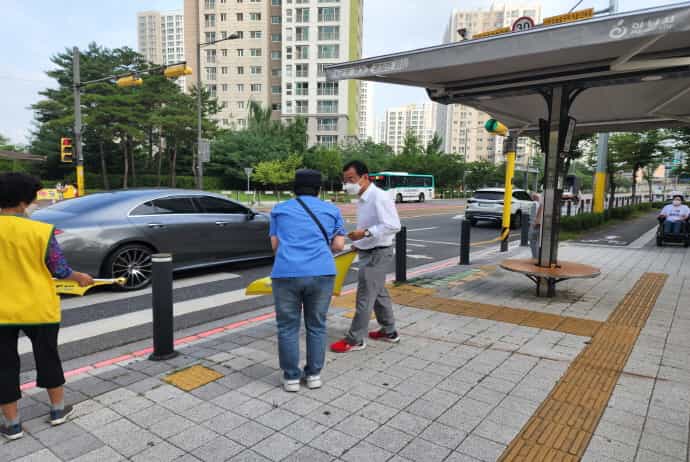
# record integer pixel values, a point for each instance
(12, 432)
(58, 417)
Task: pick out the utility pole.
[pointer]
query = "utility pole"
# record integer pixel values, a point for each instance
(602, 153)
(79, 153)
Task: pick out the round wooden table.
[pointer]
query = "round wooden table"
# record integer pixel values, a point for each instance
(561, 271)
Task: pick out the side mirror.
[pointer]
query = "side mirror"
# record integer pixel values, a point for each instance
(251, 215)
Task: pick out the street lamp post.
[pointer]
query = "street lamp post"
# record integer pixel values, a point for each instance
(248, 171)
(200, 161)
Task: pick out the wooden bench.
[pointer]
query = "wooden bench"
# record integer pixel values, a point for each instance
(562, 271)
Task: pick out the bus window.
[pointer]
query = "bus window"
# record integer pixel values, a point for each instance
(381, 182)
(428, 182)
(398, 181)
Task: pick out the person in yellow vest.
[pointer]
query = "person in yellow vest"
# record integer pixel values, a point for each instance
(29, 259)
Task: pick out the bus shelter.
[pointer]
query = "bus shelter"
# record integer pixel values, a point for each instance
(620, 72)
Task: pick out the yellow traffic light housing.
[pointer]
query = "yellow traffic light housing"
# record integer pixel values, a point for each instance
(66, 155)
(129, 81)
(495, 127)
(177, 70)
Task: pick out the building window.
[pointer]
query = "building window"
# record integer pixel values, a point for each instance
(302, 14)
(275, 37)
(240, 52)
(329, 13)
(302, 70)
(329, 32)
(211, 73)
(275, 106)
(242, 123)
(240, 105)
(255, 87)
(240, 87)
(240, 34)
(255, 16)
(275, 55)
(212, 90)
(210, 20)
(210, 56)
(210, 36)
(255, 70)
(256, 52)
(275, 72)
(302, 33)
(275, 2)
(301, 106)
(302, 51)
(327, 107)
(275, 19)
(224, 52)
(224, 87)
(321, 69)
(240, 17)
(224, 70)
(240, 70)
(288, 104)
(255, 34)
(327, 89)
(209, 4)
(327, 125)
(301, 2)
(254, 1)
(329, 51)
(275, 89)
(288, 89)
(302, 89)
(288, 70)
(288, 34)
(327, 140)
(223, 17)
(329, 1)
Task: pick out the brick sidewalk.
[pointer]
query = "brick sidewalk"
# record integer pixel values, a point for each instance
(483, 363)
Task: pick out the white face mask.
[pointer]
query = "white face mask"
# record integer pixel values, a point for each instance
(351, 188)
(676, 202)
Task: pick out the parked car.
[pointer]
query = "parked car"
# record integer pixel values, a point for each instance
(114, 234)
(487, 205)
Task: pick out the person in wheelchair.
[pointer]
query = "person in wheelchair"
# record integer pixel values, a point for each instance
(674, 215)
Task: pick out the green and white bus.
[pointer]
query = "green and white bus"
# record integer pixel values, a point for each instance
(403, 186)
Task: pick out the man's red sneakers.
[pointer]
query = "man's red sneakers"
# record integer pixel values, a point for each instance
(393, 337)
(342, 346)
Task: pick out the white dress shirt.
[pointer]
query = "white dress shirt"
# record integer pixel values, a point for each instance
(376, 212)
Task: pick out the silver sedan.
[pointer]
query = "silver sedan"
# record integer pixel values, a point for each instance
(114, 234)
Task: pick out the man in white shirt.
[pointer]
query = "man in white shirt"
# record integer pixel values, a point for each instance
(377, 225)
(674, 214)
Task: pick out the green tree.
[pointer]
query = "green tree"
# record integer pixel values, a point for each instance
(377, 156)
(327, 160)
(278, 172)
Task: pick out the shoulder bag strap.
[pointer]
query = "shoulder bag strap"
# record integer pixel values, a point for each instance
(316, 220)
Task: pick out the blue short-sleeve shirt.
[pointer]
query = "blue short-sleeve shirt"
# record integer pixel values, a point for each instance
(302, 249)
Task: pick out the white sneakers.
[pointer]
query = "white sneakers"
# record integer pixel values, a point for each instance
(313, 382)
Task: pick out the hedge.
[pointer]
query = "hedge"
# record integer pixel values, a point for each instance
(585, 221)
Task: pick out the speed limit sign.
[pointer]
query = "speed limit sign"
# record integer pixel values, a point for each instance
(522, 24)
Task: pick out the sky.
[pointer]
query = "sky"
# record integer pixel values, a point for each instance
(33, 31)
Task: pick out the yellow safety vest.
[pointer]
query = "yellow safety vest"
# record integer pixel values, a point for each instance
(27, 291)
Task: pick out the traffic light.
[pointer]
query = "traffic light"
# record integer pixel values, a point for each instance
(129, 81)
(495, 127)
(66, 150)
(177, 70)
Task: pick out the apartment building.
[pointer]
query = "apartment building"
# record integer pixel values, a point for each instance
(367, 124)
(240, 70)
(317, 33)
(160, 37)
(419, 119)
(462, 127)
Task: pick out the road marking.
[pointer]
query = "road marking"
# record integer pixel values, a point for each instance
(78, 302)
(459, 217)
(421, 229)
(112, 324)
(418, 257)
(415, 245)
(433, 242)
(644, 239)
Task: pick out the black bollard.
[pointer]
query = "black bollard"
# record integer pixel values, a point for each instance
(401, 255)
(465, 242)
(163, 342)
(524, 231)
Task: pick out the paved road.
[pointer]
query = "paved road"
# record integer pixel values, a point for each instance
(104, 319)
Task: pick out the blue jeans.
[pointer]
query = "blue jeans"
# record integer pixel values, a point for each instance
(313, 294)
(672, 227)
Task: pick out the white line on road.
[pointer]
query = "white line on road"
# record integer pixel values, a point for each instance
(644, 239)
(418, 257)
(78, 302)
(138, 318)
(459, 217)
(415, 245)
(421, 229)
(434, 242)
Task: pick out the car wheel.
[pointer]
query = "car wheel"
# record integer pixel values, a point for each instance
(516, 220)
(473, 222)
(421, 197)
(132, 261)
(399, 199)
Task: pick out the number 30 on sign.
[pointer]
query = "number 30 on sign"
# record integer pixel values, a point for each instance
(522, 24)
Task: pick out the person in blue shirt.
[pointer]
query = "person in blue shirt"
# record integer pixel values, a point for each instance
(303, 276)
(674, 214)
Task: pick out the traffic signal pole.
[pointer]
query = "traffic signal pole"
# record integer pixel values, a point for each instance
(78, 152)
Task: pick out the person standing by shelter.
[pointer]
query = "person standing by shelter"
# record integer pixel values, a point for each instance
(535, 224)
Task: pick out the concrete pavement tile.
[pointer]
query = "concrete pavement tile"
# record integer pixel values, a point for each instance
(672, 416)
(163, 393)
(97, 419)
(459, 457)
(497, 432)
(429, 409)
(187, 458)
(53, 436)
(231, 400)
(351, 402)
(258, 371)
(614, 450)
(225, 422)
(389, 438)
(129, 378)
(44, 455)
(497, 385)
(253, 408)
(255, 388)
(143, 386)
(366, 451)
(328, 415)
(645, 455)
(334, 442)
(277, 396)
(75, 447)
(193, 437)
(104, 454)
(125, 437)
(444, 435)
(622, 418)
(665, 446)
(665, 429)
(409, 423)
(277, 447)
(35, 425)
(171, 426)
(307, 453)
(304, 430)
(420, 449)
(19, 448)
(130, 406)
(277, 419)
(249, 434)
(378, 412)
(218, 450)
(150, 416)
(203, 412)
(358, 426)
(210, 391)
(481, 448)
(238, 363)
(93, 386)
(159, 452)
(180, 404)
(619, 433)
(508, 417)
(301, 405)
(115, 396)
(485, 395)
(395, 399)
(249, 456)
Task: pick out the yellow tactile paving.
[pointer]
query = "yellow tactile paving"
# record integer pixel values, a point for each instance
(193, 377)
(562, 426)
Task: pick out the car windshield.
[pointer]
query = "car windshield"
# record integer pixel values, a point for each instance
(81, 204)
(489, 195)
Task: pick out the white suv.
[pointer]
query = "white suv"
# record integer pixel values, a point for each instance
(487, 204)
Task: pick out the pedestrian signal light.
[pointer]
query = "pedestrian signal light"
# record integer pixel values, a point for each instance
(495, 127)
(66, 155)
(178, 70)
(129, 81)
